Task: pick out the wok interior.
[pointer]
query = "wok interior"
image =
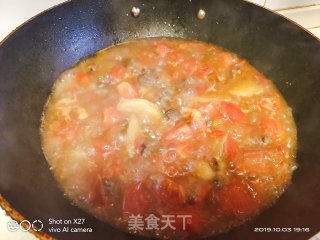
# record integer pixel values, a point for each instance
(33, 56)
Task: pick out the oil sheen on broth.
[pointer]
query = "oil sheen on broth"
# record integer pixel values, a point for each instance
(162, 126)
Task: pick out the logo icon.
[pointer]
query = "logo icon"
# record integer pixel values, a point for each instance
(13, 226)
(37, 225)
(25, 225)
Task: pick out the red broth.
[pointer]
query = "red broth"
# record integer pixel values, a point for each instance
(169, 138)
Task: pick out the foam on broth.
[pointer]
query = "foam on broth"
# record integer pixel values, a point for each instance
(169, 127)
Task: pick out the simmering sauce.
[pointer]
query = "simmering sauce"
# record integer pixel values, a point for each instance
(169, 130)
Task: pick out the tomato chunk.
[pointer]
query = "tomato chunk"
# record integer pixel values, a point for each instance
(217, 133)
(180, 133)
(97, 195)
(202, 72)
(146, 60)
(190, 66)
(171, 194)
(134, 200)
(232, 112)
(102, 146)
(200, 193)
(212, 110)
(65, 130)
(231, 148)
(175, 58)
(111, 116)
(126, 90)
(226, 58)
(113, 171)
(273, 128)
(82, 79)
(118, 73)
(271, 103)
(226, 110)
(237, 198)
(260, 161)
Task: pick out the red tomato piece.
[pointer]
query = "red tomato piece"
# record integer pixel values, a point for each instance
(253, 162)
(217, 133)
(134, 200)
(236, 197)
(118, 73)
(198, 87)
(256, 161)
(171, 170)
(101, 146)
(82, 79)
(175, 58)
(171, 194)
(175, 73)
(201, 192)
(146, 60)
(231, 148)
(97, 195)
(271, 103)
(197, 147)
(273, 128)
(186, 149)
(232, 112)
(179, 133)
(202, 72)
(126, 90)
(111, 116)
(257, 152)
(265, 162)
(112, 171)
(226, 58)
(190, 66)
(169, 156)
(211, 110)
(66, 129)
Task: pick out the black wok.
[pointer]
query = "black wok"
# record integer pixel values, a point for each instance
(33, 56)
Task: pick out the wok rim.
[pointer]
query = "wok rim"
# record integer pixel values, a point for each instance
(69, 1)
